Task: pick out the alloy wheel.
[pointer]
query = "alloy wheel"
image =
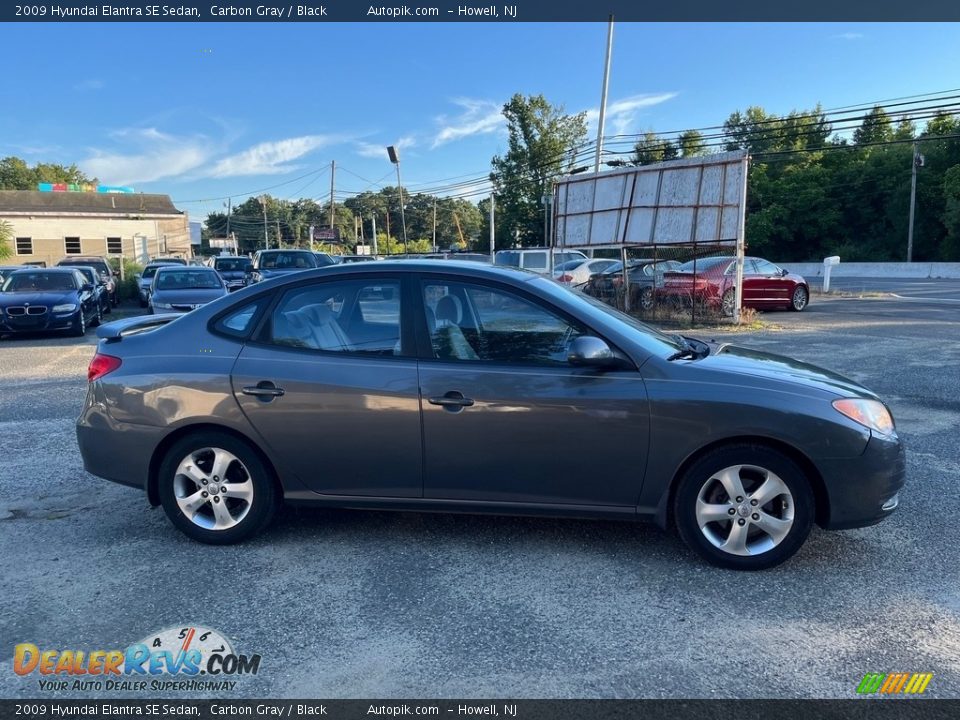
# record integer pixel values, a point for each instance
(213, 488)
(745, 510)
(728, 302)
(800, 298)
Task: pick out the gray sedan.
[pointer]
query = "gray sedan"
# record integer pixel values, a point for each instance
(451, 386)
(180, 289)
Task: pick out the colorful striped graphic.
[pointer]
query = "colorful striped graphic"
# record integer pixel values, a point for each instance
(894, 683)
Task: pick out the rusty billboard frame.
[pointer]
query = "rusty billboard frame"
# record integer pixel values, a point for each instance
(677, 203)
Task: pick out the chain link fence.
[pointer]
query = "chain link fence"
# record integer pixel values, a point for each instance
(691, 284)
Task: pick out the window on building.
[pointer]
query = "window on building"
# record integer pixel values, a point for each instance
(24, 246)
(114, 246)
(72, 245)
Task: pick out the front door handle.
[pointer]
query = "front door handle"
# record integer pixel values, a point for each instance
(263, 390)
(452, 401)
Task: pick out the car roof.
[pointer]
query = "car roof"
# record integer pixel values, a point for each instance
(457, 267)
(54, 270)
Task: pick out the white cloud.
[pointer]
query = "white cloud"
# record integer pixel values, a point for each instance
(270, 158)
(157, 155)
(90, 84)
(479, 117)
(374, 150)
(622, 114)
(847, 36)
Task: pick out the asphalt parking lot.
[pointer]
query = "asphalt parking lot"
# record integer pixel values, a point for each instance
(365, 604)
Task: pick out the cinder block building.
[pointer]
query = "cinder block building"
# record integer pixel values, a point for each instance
(49, 226)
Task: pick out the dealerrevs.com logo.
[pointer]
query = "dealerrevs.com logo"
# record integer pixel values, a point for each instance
(197, 658)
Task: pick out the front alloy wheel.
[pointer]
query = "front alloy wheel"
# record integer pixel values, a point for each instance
(216, 489)
(744, 507)
(800, 298)
(728, 302)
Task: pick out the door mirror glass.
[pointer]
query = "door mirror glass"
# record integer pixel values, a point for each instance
(589, 351)
(784, 272)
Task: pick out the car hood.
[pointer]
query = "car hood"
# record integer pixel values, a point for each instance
(190, 296)
(778, 368)
(56, 297)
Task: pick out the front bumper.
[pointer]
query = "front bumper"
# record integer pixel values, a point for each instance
(865, 490)
(47, 322)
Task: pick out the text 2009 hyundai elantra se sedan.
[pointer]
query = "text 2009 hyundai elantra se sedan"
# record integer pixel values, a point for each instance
(456, 387)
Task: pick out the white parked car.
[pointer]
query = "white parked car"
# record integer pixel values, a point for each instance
(579, 272)
(535, 259)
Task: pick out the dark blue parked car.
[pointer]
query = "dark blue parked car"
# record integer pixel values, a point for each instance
(40, 299)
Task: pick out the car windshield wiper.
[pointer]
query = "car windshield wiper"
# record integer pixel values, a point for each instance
(687, 350)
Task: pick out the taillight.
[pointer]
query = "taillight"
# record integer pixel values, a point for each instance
(101, 365)
(565, 278)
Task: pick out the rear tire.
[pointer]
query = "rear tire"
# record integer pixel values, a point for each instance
(728, 303)
(241, 493)
(744, 507)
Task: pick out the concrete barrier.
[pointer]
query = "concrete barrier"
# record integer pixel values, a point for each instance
(878, 269)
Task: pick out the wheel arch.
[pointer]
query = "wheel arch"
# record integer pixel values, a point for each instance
(153, 493)
(665, 513)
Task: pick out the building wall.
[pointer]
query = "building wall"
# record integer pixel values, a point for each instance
(156, 237)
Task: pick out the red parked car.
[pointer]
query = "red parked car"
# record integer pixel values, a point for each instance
(765, 285)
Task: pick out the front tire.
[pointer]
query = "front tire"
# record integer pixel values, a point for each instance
(215, 489)
(744, 507)
(799, 299)
(80, 325)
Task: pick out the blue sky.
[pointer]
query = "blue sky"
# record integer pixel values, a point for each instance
(201, 111)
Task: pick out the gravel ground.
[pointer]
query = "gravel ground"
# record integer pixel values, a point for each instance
(355, 604)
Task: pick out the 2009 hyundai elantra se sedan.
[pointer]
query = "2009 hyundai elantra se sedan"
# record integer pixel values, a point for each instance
(446, 386)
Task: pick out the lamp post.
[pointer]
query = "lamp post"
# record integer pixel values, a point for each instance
(395, 159)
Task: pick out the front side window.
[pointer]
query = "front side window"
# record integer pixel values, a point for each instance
(479, 323)
(349, 316)
(765, 267)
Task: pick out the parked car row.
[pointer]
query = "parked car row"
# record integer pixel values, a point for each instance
(50, 299)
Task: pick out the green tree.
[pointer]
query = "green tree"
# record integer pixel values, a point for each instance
(950, 249)
(541, 142)
(691, 144)
(15, 174)
(875, 128)
(6, 238)
(653, 149)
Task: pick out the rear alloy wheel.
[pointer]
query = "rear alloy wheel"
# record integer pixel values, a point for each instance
(800, 298)
(728, 302)
(215, 489)
(744, 507)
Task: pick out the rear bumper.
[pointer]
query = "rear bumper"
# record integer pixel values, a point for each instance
(115, 451)
(865, 490)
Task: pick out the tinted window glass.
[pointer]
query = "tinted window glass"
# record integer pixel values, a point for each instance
(288, 260)
(473, 322)
(765, 267)
(535, 260)
(239, 323)
(230, 264)
(355, 316)
(509, 258)
(40, 282)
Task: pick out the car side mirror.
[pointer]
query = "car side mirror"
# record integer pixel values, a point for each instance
(784, 272)
(88, 287)
(588, 351)
(138, 276)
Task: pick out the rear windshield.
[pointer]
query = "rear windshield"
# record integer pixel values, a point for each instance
(288, 260)
(230, 264)
(99, 265)
(177, 279)
(702, 264)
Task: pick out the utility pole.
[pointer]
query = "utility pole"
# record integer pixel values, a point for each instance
(389, 252)
(492, 238)
(373, 221)
(917, 162)
(266, 240)
(395, 159)
(278, 233)
(228, 216)
(603, 97)
(333, 170)
(434, 223)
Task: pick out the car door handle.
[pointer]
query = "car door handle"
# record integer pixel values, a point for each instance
(263, 390)
(452, 400)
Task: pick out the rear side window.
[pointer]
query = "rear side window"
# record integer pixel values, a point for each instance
(240, 322)
(535, 260)
(511, 259)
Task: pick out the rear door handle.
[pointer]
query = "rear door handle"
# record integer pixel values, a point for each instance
(452, 401)
(263, 389)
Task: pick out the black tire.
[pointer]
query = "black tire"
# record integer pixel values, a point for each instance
(798, 504)
(261, 508)
(143, 303)
(98, 320)
(646, 298)
(80, 325)
(800, 298)
(108, 308)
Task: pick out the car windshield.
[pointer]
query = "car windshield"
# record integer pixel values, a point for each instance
(188, 280)
(570, 265)
(100, 267)
(230, 264)
(288, 260)
(150, 270)
(39, 282)
(90, 274)
(701, 264)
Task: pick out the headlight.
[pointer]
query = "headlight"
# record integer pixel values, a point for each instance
(870, 413)
(162, 306)
(69, 307)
